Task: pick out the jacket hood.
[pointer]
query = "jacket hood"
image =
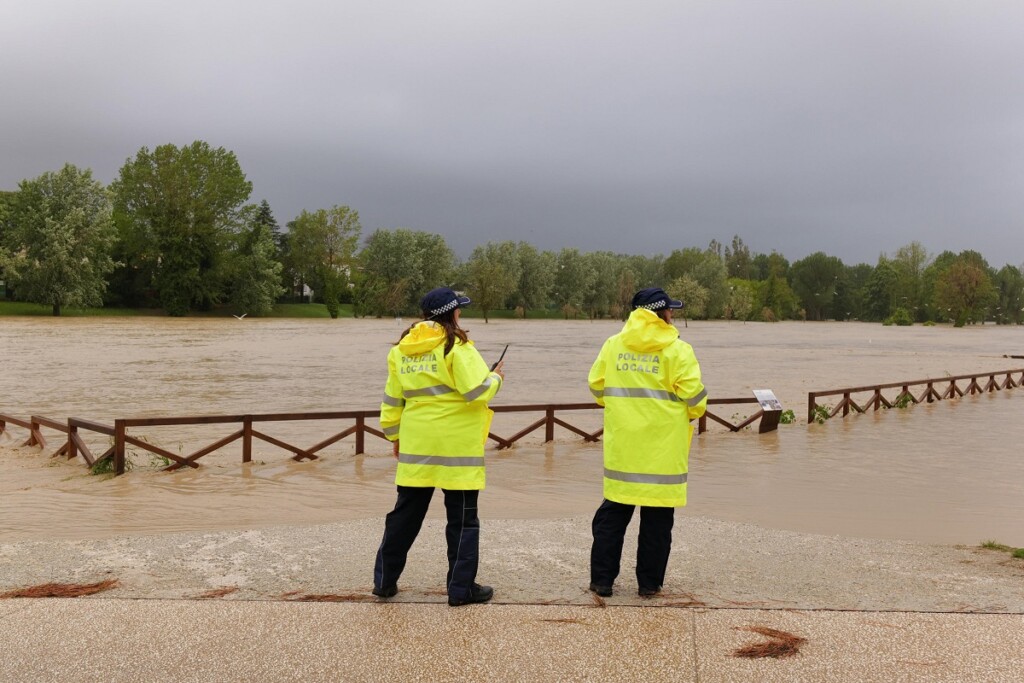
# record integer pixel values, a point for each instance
(645, 331)
(423, 337)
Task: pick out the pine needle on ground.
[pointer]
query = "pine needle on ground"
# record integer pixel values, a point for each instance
(60, 590)
(780, 644)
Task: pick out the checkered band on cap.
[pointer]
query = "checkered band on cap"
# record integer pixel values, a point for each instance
(454, 303)
(655, 306)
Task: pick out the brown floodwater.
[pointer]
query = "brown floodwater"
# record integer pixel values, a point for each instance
(949, 472)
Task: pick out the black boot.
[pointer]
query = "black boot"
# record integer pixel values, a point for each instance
(477, 594)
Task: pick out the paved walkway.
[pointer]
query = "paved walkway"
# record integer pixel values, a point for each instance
(97, 639)
(714, 564)
(869, 610)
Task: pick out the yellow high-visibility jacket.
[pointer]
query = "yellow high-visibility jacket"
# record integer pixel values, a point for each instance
(648, 381)
(436, 406)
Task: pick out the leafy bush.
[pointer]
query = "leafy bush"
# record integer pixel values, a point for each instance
(105, 466)
(899, 317)
(787, 417)
(903, 401)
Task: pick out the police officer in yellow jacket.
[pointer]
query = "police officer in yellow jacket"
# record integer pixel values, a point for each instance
(435, 412)
(649, 383)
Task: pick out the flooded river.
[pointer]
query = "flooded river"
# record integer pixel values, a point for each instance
(950, 472)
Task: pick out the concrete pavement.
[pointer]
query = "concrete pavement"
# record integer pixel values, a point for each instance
(101, 639)
(869, 610)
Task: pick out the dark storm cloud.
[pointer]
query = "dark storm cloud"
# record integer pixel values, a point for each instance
(849, 127)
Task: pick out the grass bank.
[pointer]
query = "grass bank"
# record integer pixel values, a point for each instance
(17, 308)
(21, 308)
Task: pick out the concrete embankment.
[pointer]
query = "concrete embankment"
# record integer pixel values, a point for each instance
(714, 564)
(292, 604)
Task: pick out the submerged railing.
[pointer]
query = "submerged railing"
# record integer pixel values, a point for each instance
(247, 433)
(948, 388)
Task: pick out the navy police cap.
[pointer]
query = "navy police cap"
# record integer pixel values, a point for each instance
(654, 299)
(441, 300)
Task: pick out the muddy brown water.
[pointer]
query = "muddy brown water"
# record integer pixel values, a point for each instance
(949, 472)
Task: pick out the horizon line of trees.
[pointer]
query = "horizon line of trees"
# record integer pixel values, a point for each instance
(176, 231)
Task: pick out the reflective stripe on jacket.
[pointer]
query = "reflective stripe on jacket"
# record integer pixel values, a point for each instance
(436, 406)
(649, 382)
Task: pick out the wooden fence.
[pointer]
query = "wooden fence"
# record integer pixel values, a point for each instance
(948, 387)
(248, 432)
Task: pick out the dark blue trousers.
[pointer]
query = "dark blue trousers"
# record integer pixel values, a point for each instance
(402, 525)
(655, 542)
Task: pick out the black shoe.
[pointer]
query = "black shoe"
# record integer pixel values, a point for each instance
(648, 592)
(385, 591)
(477, 594)
(603, 591)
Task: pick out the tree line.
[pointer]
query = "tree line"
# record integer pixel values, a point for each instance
(176, 231)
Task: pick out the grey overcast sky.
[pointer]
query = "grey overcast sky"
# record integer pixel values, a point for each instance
(846, 126)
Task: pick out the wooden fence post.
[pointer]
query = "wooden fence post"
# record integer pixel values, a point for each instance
(72, 447)
(35, 433)
(119, 447)
(247, 438)
(360, 434)
(549, 425)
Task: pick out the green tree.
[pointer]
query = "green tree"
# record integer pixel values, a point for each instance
(601, 296)
(814, 280)
(625, 288)
(706, 267)
(964, 289)
(738, 261)
(491, 275)
(910, 262)
(177, 210)
(712, 274)
(6, 201)
(880, 290)
(849, 299)
(692, 293)
(1009, 284)
(647, 269)
(775, 295)
(334, 284)
(767, 265)
(61, 235)
(321, 248)
(255, 270)
(536, 277)
(398, 267)
(741, 299)
(681, 262)
(572, 281)
(928, 282)
(265, 217)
